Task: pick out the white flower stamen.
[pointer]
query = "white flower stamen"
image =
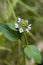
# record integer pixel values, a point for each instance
(16, 25)
(21, 30)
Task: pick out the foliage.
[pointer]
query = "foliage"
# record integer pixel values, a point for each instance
(14, 46)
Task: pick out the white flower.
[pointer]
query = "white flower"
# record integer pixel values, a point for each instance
(19, 20)
(29, 27)
(29, 24)
(16, 25)
(26, 21)
(27, 30)
(21, 30)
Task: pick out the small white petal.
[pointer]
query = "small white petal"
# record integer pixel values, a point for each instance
(26, 21)
(19, 20)
(21, 30)
(16, 25)
(29, 25)
(27, 30)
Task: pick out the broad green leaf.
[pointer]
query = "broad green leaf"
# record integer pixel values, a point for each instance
(9, 33)
(4, 48)
(33, 53)
(12, 26)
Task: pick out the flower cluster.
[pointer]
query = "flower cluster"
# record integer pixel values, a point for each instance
(22, 25)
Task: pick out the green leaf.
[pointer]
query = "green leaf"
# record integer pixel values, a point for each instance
(33, 53)
(12, 26)
(9, 33)
(4, 48)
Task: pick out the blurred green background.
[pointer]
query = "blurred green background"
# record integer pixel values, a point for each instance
(26, 9)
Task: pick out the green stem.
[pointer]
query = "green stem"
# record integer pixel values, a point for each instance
(27, 46)
(23, 46)
(12, 9)
(28, 7)
(26, 38)
(19, 48)
(33, 37)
